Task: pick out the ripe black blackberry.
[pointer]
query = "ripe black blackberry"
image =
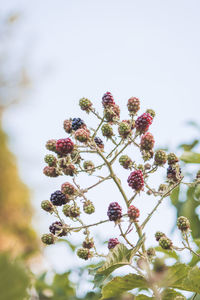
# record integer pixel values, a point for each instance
(58, 198)
(57, 228)
(77, 123)
(114, 212)
(107, 100)
(112, 243)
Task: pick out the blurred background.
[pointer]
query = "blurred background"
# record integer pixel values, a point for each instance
(52, 53)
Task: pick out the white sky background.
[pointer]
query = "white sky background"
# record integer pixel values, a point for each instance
(147, 49)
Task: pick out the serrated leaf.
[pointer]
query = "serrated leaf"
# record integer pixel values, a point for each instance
(119, 285)
(169, 253)
(170, 294)
(190, 157)
(183, 277)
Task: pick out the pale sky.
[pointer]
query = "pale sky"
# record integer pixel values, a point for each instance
(147, 49)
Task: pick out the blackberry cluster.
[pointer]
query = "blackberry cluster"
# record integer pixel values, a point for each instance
(136, 180)
(58, 198)
(77, 123)
(114, 212)
(112, 243)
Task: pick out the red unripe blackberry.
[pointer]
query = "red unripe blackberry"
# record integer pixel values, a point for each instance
(68, 188)
(114, 212)
(88, 207)
(48, 239)
(67, 125)
(64, 146)
(143, 122)
(107, 130)
(160, 158)
(99, 142)
(69, 170)
(85, 104)
(147, 141)
(133, 213)
(125, 162)
(88, 243)
(136, 180)
(124, 129)
(158, 235)
(47, 206)
(56, 228)
(112, 113)
(112, 243)
(50, 171)
(51, 145)
(84, 253)
(107, 100)
(172, 159)
(82, 135)
(58, 198)
(133, 105)
(165, 243)
(183, 224)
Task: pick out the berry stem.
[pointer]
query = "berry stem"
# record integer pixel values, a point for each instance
(110, 154)
(97, 183)
(114, 158)
(124, 236)
(158, 204)
(95, 132)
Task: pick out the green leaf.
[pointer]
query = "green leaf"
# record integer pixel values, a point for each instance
(144, 297)
(170, 294)
(188, 147)
(190, 157)
(183, 277)
(14, 279)
(169, 253)
(175, 196)
(119, 285)
(119, 257)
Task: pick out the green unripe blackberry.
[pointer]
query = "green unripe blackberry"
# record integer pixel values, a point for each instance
(151, 112)
(158, 235)
(47, 206)
(107, 130)
(85, 104)
(48, 239)
(151, 252)
(183, 223)
(88, 207)
(84, 253)
(51, 145)
(165, 243)
(124, 129)
(126, 162)
(88, 243)
(66, 210)
(160, 158)
(172, 159)
(50, 160)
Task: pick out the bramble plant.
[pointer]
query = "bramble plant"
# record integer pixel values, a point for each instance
(150, 273)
